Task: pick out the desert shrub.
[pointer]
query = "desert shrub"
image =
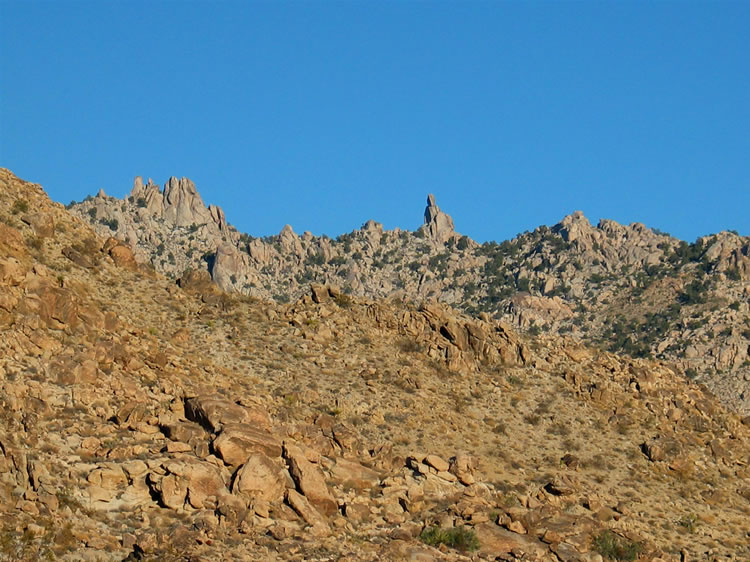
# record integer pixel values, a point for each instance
(20, 206)
(459, 538)
(343, 300)
(689, 522)
(113, 224)
(691, 373)
(317, 259)
(409, 345)
(35, 242)
(694, 293)
(534, 330)
(615, 547)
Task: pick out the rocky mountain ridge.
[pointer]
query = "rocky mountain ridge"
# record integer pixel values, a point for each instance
(622, 288)
(147, 419)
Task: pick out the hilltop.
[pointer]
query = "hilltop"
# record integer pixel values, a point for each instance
(625, 289)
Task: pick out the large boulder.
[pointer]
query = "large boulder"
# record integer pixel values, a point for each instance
(214, 411)
(309, 479)
(188, 483)
(260, 478)
(237, 442)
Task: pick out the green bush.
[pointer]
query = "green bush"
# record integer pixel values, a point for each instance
(343, 300)
(616, 547)
(113, 224)
(459, 538)
(20, 206)
(317, 259)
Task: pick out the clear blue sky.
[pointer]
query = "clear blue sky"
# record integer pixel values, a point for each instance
(326, 114)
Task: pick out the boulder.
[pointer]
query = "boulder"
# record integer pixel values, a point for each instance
(311, 516)
(309, 479)
(238, 441)
(352, 474)
(228, 264)
(187, 482)
(260, 478)
(121, 254)
(215, 411)
(662, 448)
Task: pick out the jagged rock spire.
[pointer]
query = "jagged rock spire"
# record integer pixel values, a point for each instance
(437, 224)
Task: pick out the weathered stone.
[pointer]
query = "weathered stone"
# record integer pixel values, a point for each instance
(463, 466)
(309, 479)
(661, 448)
(439, 226)
(260, 478)
(213, 412)
(496, 541)
(300, 504)
(187, 482)
(237, 442)
(351, 474)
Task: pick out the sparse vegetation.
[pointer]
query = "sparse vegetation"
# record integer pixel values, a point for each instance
(615, 547)
(20, 206)
(460, 538)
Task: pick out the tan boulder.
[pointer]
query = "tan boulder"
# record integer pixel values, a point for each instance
(238, 441)
(437, 224)
(662, 448)
(11, 241)
(42, 223)
(215, 411)
(437, 463)
(106, 482)
(260, 478)
(309, 479)
(311, 516)
(187, 482)
(198, 282)
(123, 257)
(352, 474)
(57, 307)
(187, 432)
(11, 272)
(496, 541)
(463, 466)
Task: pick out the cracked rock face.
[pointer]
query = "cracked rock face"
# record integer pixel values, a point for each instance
(179, 204)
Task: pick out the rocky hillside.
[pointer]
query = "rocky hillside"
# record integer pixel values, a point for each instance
(626, 289)
(147, 419)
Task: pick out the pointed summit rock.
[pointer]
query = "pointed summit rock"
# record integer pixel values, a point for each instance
(148, 196)
(437, 224)
(183, 205)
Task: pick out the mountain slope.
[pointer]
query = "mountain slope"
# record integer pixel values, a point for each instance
(166, 421)
(622, 288)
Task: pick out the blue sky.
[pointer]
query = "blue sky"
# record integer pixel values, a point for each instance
(326, 114)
